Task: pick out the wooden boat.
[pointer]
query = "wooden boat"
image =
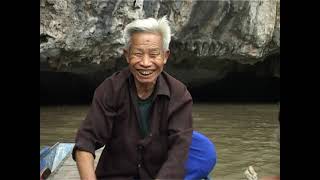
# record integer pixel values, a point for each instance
(56, 162)
(51, 158)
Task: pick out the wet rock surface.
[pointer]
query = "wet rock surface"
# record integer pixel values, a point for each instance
(211, 40)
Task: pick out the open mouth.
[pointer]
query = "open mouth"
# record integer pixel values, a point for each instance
(145, 72)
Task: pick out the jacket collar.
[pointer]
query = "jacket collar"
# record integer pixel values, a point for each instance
(161, 87)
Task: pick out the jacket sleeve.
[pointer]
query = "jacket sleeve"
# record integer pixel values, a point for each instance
(95, 130)
(179, 138)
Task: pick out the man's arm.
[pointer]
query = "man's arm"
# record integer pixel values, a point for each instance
(85, 164)
(94, 132)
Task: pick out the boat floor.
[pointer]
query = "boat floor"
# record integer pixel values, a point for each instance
(68, 169)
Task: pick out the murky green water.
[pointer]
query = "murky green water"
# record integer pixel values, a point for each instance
(244, 134)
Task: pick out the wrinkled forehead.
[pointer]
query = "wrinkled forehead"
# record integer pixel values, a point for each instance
(146, 49)
(139, 37)
(145, 40)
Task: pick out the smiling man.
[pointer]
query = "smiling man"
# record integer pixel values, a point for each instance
(142, 115)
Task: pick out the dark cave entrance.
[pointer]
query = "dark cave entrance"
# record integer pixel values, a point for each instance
(69, 88)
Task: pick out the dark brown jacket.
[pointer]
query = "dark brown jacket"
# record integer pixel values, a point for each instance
(112, 121)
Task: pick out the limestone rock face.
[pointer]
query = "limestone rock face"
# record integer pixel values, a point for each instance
(210, 39)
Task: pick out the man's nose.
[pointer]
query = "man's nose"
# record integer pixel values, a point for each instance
(146, 61)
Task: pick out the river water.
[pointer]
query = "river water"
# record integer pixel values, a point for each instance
(244, 134)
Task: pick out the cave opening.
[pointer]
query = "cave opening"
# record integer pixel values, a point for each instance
(239, 87)
(62, 88)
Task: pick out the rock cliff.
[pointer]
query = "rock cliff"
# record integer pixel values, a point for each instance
(210, 39)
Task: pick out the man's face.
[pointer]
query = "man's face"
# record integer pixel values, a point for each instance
(146, 57)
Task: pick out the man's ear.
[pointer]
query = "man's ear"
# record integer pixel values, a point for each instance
(166, 56)
(126, 54)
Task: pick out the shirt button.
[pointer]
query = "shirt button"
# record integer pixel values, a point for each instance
(150, 134)
(139, 165)
(139, 147)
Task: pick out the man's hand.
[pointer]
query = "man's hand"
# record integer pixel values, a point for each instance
(85, 164)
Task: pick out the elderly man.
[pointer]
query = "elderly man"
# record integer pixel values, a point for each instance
(141, 114)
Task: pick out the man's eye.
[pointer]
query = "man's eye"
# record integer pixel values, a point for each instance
(137, 54)
(154, 55)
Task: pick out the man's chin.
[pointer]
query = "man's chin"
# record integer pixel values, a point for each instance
(145, 81)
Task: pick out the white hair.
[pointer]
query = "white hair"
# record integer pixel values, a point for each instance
(149, 25)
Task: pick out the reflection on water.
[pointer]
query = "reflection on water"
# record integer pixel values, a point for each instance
(244, 134)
